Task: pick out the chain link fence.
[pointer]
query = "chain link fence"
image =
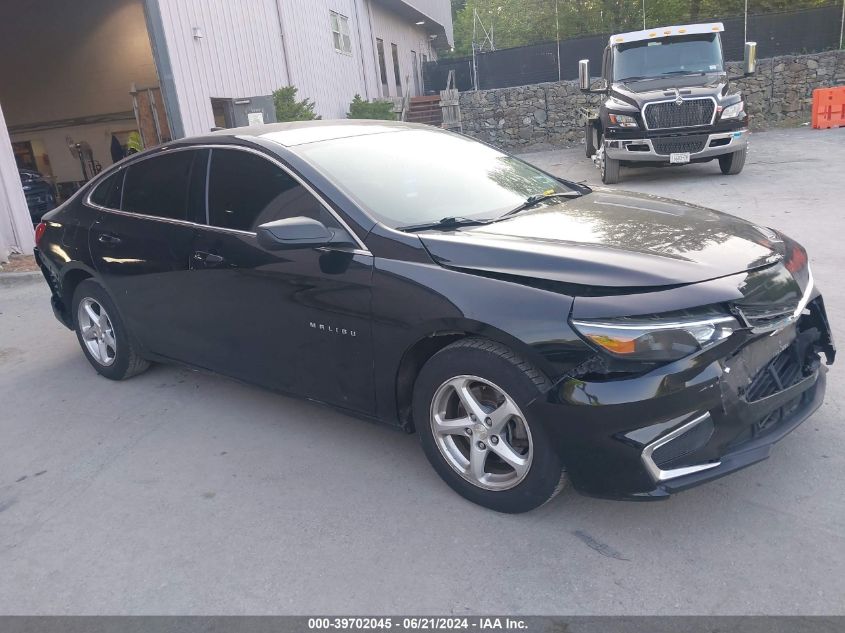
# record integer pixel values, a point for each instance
(805, 30)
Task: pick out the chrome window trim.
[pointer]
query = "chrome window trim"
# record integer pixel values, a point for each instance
(362, 249)
(712, 118)
(659, 475)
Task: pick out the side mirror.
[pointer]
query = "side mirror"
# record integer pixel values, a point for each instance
(750, 60)
(290, 233)
(584, 75)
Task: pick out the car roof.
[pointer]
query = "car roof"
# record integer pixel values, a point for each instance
(296, 133)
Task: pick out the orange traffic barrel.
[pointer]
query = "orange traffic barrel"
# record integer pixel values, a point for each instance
(829, 107)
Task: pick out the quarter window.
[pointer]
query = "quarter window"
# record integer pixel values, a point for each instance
(107, 193)
(340, 33)
(245, 191)
(159, 186)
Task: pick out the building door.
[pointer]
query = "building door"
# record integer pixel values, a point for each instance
(397, 74)
(382, 68)
(415, 69)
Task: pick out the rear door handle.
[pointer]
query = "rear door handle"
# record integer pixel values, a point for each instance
(108, 238)
(209, 259)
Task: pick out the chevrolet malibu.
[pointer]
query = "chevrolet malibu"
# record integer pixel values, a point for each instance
(532, 331)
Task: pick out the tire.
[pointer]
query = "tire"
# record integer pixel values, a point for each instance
(589, 140)
(732, 164)
(489, 370)
(106, 344)
(609, 168)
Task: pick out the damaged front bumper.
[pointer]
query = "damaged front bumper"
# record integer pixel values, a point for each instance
(693, 420)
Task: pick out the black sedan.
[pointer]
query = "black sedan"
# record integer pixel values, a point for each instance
(531, 330)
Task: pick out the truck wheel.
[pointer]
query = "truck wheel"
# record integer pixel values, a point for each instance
(732, 164)
(609, 167)
(590, 139)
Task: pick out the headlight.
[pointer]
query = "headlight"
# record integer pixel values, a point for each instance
(623, 120)
(658, 338)
(733, 111)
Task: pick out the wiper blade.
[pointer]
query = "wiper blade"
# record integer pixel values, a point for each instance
(685, 73)
(445, 223)
(532, 201)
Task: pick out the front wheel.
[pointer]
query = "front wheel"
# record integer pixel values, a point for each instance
(609, 166)
(590, 134)
(732, 164)
(470, 403)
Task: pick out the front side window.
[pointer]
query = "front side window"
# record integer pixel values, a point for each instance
(245, 191)
(412, 177)
(340, 33)
(158, 186)
(676, 55)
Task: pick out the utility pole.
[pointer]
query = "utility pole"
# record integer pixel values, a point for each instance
(557, 38)
(643, 15)
(746, 21)
(842, 24)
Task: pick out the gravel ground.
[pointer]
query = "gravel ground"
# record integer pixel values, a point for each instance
(181, 492)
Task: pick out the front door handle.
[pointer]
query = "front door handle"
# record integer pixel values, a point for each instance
(209, 259)
(108, 238)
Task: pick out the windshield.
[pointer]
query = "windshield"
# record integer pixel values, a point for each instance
(668, 55)
(412, 177)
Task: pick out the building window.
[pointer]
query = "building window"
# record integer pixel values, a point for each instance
(340, 33)
(382, 67)
(397, 76)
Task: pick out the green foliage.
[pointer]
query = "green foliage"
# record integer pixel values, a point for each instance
(289, 109)
(522, 22)
(361, 109)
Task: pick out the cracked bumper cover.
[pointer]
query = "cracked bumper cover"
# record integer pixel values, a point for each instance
(605, 452)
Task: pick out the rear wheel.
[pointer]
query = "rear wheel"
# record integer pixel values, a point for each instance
(102, 334)
(609, 167)
(732, 164)
(590, 134)
(470, 410)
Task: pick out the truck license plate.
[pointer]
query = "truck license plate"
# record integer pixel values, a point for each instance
(679, 158)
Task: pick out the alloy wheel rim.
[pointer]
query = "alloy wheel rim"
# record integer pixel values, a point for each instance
(481, 432)
(97, 331)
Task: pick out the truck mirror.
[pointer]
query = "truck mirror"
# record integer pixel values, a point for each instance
(584, 75)
(750, 60)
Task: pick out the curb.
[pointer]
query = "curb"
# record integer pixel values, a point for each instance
(10, 280)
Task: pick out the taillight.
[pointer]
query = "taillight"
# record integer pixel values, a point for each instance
(39, 232)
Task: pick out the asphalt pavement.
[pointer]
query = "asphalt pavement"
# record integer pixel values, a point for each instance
(180, 492)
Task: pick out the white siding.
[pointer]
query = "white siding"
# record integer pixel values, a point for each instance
(392, 29)
(243, 51)
(320, 73)
(16, 234)
(240, 55)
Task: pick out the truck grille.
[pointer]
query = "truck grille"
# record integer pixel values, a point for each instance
(671, 144)
(668, 114)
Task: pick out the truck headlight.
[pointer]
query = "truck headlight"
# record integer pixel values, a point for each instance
(623, 120)
(733, 111)
(657, 338)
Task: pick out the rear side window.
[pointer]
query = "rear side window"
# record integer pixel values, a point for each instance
(107, 193)
(246, 191)
(159, 186)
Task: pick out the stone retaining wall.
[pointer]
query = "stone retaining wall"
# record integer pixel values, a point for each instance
(542, 116)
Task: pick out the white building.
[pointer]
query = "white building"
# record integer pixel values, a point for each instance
(68, 69)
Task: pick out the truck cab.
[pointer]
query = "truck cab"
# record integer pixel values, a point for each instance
(667, 99)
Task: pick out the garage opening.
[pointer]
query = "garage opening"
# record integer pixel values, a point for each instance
(79, 90)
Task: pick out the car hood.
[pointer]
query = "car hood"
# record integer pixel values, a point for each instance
(609, 239)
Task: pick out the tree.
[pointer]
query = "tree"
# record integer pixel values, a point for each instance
(289, 109)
